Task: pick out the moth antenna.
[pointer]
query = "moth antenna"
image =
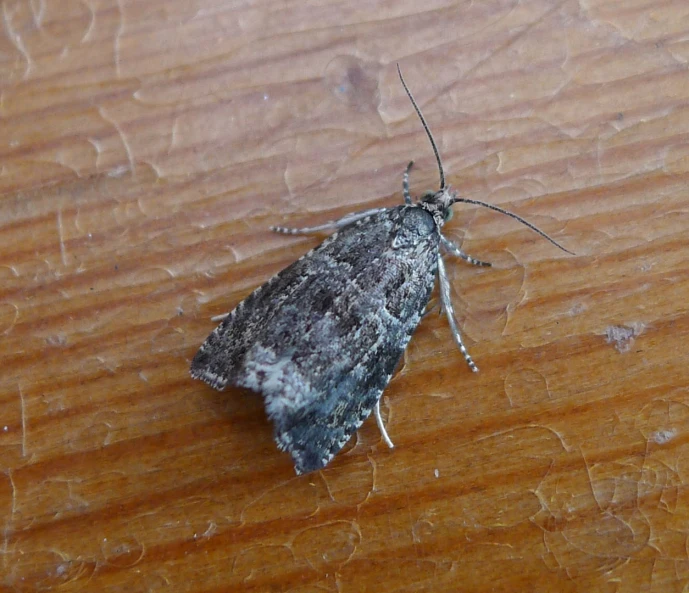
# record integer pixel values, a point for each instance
(425, 127)
(516, 217)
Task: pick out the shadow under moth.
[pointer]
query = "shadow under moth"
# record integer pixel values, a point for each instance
(321, 339)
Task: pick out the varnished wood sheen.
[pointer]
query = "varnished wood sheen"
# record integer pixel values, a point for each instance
(145, 149)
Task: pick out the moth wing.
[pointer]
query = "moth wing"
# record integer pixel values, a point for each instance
(321, 339)
(220, 358)
(315, 432)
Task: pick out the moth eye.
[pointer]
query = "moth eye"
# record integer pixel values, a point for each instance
(447, 215)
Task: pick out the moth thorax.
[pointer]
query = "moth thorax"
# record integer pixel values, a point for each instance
(417, 223)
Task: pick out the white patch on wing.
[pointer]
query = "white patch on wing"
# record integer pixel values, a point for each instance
(278, 379)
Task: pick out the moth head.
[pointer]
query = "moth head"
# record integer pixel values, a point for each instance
(439, 203)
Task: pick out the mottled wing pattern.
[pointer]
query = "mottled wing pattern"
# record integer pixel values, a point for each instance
(321, 339)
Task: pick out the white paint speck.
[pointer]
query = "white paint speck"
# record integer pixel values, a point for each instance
(663, 436)
(622, 336)
(118, 171)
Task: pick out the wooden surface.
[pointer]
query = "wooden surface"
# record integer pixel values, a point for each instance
(146, 147)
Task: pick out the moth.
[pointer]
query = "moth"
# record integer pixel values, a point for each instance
(321, 339)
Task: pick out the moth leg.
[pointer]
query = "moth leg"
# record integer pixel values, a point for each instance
(220, 317)
(446, 300)
(454, 250)
(331, 225)
(405, 183)
(379, 421)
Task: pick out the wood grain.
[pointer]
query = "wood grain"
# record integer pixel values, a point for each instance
(145, 149)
